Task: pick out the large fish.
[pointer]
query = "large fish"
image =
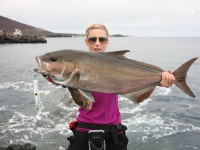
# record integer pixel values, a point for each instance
(108, 72)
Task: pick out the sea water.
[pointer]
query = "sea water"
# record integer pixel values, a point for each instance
(168, 120)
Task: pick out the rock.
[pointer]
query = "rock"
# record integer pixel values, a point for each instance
(11, 38)
(26, 146)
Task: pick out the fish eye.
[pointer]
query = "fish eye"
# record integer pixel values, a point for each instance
(53, 59)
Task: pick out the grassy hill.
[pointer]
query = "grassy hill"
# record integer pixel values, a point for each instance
(9, 26)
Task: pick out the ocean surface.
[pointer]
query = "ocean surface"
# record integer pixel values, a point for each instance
(168, 120)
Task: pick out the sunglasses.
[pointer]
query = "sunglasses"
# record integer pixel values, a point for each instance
(93, 40)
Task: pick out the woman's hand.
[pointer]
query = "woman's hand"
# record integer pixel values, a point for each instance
(167, 79)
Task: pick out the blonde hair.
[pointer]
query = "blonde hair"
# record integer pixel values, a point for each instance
(96, 26)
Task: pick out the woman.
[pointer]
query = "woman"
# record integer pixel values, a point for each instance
(103, 115)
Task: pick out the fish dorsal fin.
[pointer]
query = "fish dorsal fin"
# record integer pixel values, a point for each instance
(120, 53)
(147, 65)
(87, 94)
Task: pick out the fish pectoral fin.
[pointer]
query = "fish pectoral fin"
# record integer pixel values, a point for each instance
(87, 94)
(141, 95)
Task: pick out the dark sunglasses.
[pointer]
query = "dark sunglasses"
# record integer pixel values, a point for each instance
(93, 40)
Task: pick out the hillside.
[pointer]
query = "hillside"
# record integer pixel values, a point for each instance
(9, 26)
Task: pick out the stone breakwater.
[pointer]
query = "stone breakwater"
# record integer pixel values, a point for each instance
(11, 38)
(26, 146)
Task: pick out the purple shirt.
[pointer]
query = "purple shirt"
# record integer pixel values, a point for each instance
(104, 110)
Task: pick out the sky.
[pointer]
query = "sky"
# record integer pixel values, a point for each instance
(140, 18)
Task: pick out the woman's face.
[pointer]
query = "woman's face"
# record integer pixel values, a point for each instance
(97, 40)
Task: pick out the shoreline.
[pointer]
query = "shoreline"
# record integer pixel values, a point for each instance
(12, 38)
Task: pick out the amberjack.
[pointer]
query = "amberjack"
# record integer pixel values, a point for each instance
(107, 72)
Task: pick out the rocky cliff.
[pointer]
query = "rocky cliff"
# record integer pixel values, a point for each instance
(9, 26)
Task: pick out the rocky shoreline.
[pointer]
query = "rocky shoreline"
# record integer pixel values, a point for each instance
(26, 146)
(16, 38)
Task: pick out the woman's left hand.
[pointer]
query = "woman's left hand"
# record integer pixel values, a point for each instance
(167, 79)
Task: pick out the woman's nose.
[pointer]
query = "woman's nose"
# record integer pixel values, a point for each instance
(97, 42)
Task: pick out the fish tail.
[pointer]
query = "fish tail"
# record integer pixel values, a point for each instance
(180, 74)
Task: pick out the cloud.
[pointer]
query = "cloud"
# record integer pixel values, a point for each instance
(132, 17)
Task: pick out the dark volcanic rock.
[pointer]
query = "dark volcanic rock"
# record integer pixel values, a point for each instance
(26, 146)
(11, 38)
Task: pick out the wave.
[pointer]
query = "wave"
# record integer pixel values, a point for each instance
(18, 86)
(162, 91)
(146, 124)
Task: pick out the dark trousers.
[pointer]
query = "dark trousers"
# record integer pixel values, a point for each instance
(80, 141)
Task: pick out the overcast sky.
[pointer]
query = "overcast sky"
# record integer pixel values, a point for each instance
(157, 18)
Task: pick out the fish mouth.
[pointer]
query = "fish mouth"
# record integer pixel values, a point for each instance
(42, 69)
(45, 69)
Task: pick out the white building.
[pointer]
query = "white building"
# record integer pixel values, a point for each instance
(17, 32)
